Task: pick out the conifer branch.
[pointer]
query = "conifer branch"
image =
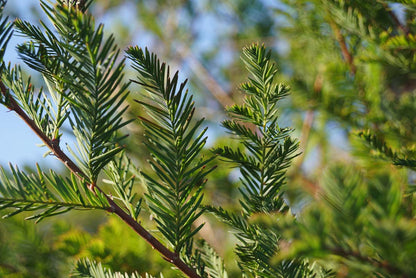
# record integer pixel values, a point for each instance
(168, 255)
(269, 152)
(114, 208)
(52, 144)
(48, 203)
(98, 95)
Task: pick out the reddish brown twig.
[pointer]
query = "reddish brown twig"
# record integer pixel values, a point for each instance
(343, 45)
(394, 18)
(50, 143)
(206, 78)
(114, 208)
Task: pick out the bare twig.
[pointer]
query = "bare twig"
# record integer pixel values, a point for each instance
(114, 208)
(206, 78)
(394, 18)
(344, 49)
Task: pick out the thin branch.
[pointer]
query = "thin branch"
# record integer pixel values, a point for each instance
(344, 49)
(53, 145)
(206, 78)
(167, 254)
(394, 18)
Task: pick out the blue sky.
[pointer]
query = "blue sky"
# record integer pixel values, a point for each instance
(17, 141)
(18, 144)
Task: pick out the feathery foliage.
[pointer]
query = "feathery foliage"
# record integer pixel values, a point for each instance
(39, 107)
(269, 148)
(351, 222)
(267, 154)
(175, 144)
(379, 146)
(86, 269)
(50, 194)
(353, 68)
(214, 265)
(6, 31)
(85, 78)
(85, 90)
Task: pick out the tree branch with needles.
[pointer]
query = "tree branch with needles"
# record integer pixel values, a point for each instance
(114, 207)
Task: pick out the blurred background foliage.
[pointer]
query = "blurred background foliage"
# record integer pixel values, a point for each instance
(351, 66)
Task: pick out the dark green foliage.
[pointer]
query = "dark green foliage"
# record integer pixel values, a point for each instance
(83, 73)
(87, 269)
(175, 143)
(269, 147)
(6, 30)
(268, 152)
